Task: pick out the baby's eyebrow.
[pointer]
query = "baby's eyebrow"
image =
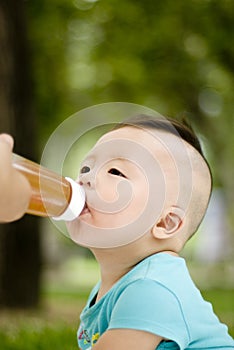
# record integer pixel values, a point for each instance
(92, 157)
(122, 160)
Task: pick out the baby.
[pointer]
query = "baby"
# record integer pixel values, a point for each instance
(148, 186)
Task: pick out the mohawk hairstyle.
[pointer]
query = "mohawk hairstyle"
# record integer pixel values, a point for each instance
(183, 128)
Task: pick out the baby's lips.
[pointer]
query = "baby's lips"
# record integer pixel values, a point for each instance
(85, 209)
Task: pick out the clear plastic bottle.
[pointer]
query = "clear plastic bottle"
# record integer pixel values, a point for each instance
(52, 195)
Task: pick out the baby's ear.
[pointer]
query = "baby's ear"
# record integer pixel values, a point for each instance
(169, 224)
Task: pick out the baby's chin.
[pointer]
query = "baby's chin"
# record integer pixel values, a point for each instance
(92, 237)
(85, 226)
(85, 233)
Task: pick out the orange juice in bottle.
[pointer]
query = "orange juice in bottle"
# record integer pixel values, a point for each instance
(52, 195)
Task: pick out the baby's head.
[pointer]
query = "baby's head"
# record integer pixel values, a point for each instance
(146, 177)
(181, 154)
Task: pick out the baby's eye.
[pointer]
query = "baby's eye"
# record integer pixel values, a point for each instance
(116, 172)
(85, 169)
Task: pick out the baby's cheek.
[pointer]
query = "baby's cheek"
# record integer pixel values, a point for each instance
(108, 193)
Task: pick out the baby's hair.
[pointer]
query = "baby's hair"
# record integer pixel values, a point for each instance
(173, 126)
(178, 128)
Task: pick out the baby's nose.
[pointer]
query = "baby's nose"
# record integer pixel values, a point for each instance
(85, 183)
(86, 179)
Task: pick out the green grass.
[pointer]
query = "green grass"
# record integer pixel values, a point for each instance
(59, 338)
(54, 325)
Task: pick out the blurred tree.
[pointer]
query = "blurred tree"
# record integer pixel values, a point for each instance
(19, 241)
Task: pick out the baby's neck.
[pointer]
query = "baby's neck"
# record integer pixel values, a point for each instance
(114, 264)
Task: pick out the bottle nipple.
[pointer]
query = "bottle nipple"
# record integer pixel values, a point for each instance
(77, 202)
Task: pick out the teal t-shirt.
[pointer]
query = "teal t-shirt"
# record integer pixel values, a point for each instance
(156, 296)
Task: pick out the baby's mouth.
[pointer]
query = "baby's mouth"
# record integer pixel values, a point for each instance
(85, 210)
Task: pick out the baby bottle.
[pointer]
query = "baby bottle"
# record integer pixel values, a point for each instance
(52, 195)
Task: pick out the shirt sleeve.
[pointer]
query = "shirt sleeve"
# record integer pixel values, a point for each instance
(149, 306)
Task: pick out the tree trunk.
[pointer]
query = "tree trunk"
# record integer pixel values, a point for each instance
(19, 241)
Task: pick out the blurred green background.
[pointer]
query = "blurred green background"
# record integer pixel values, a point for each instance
(58, 57)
